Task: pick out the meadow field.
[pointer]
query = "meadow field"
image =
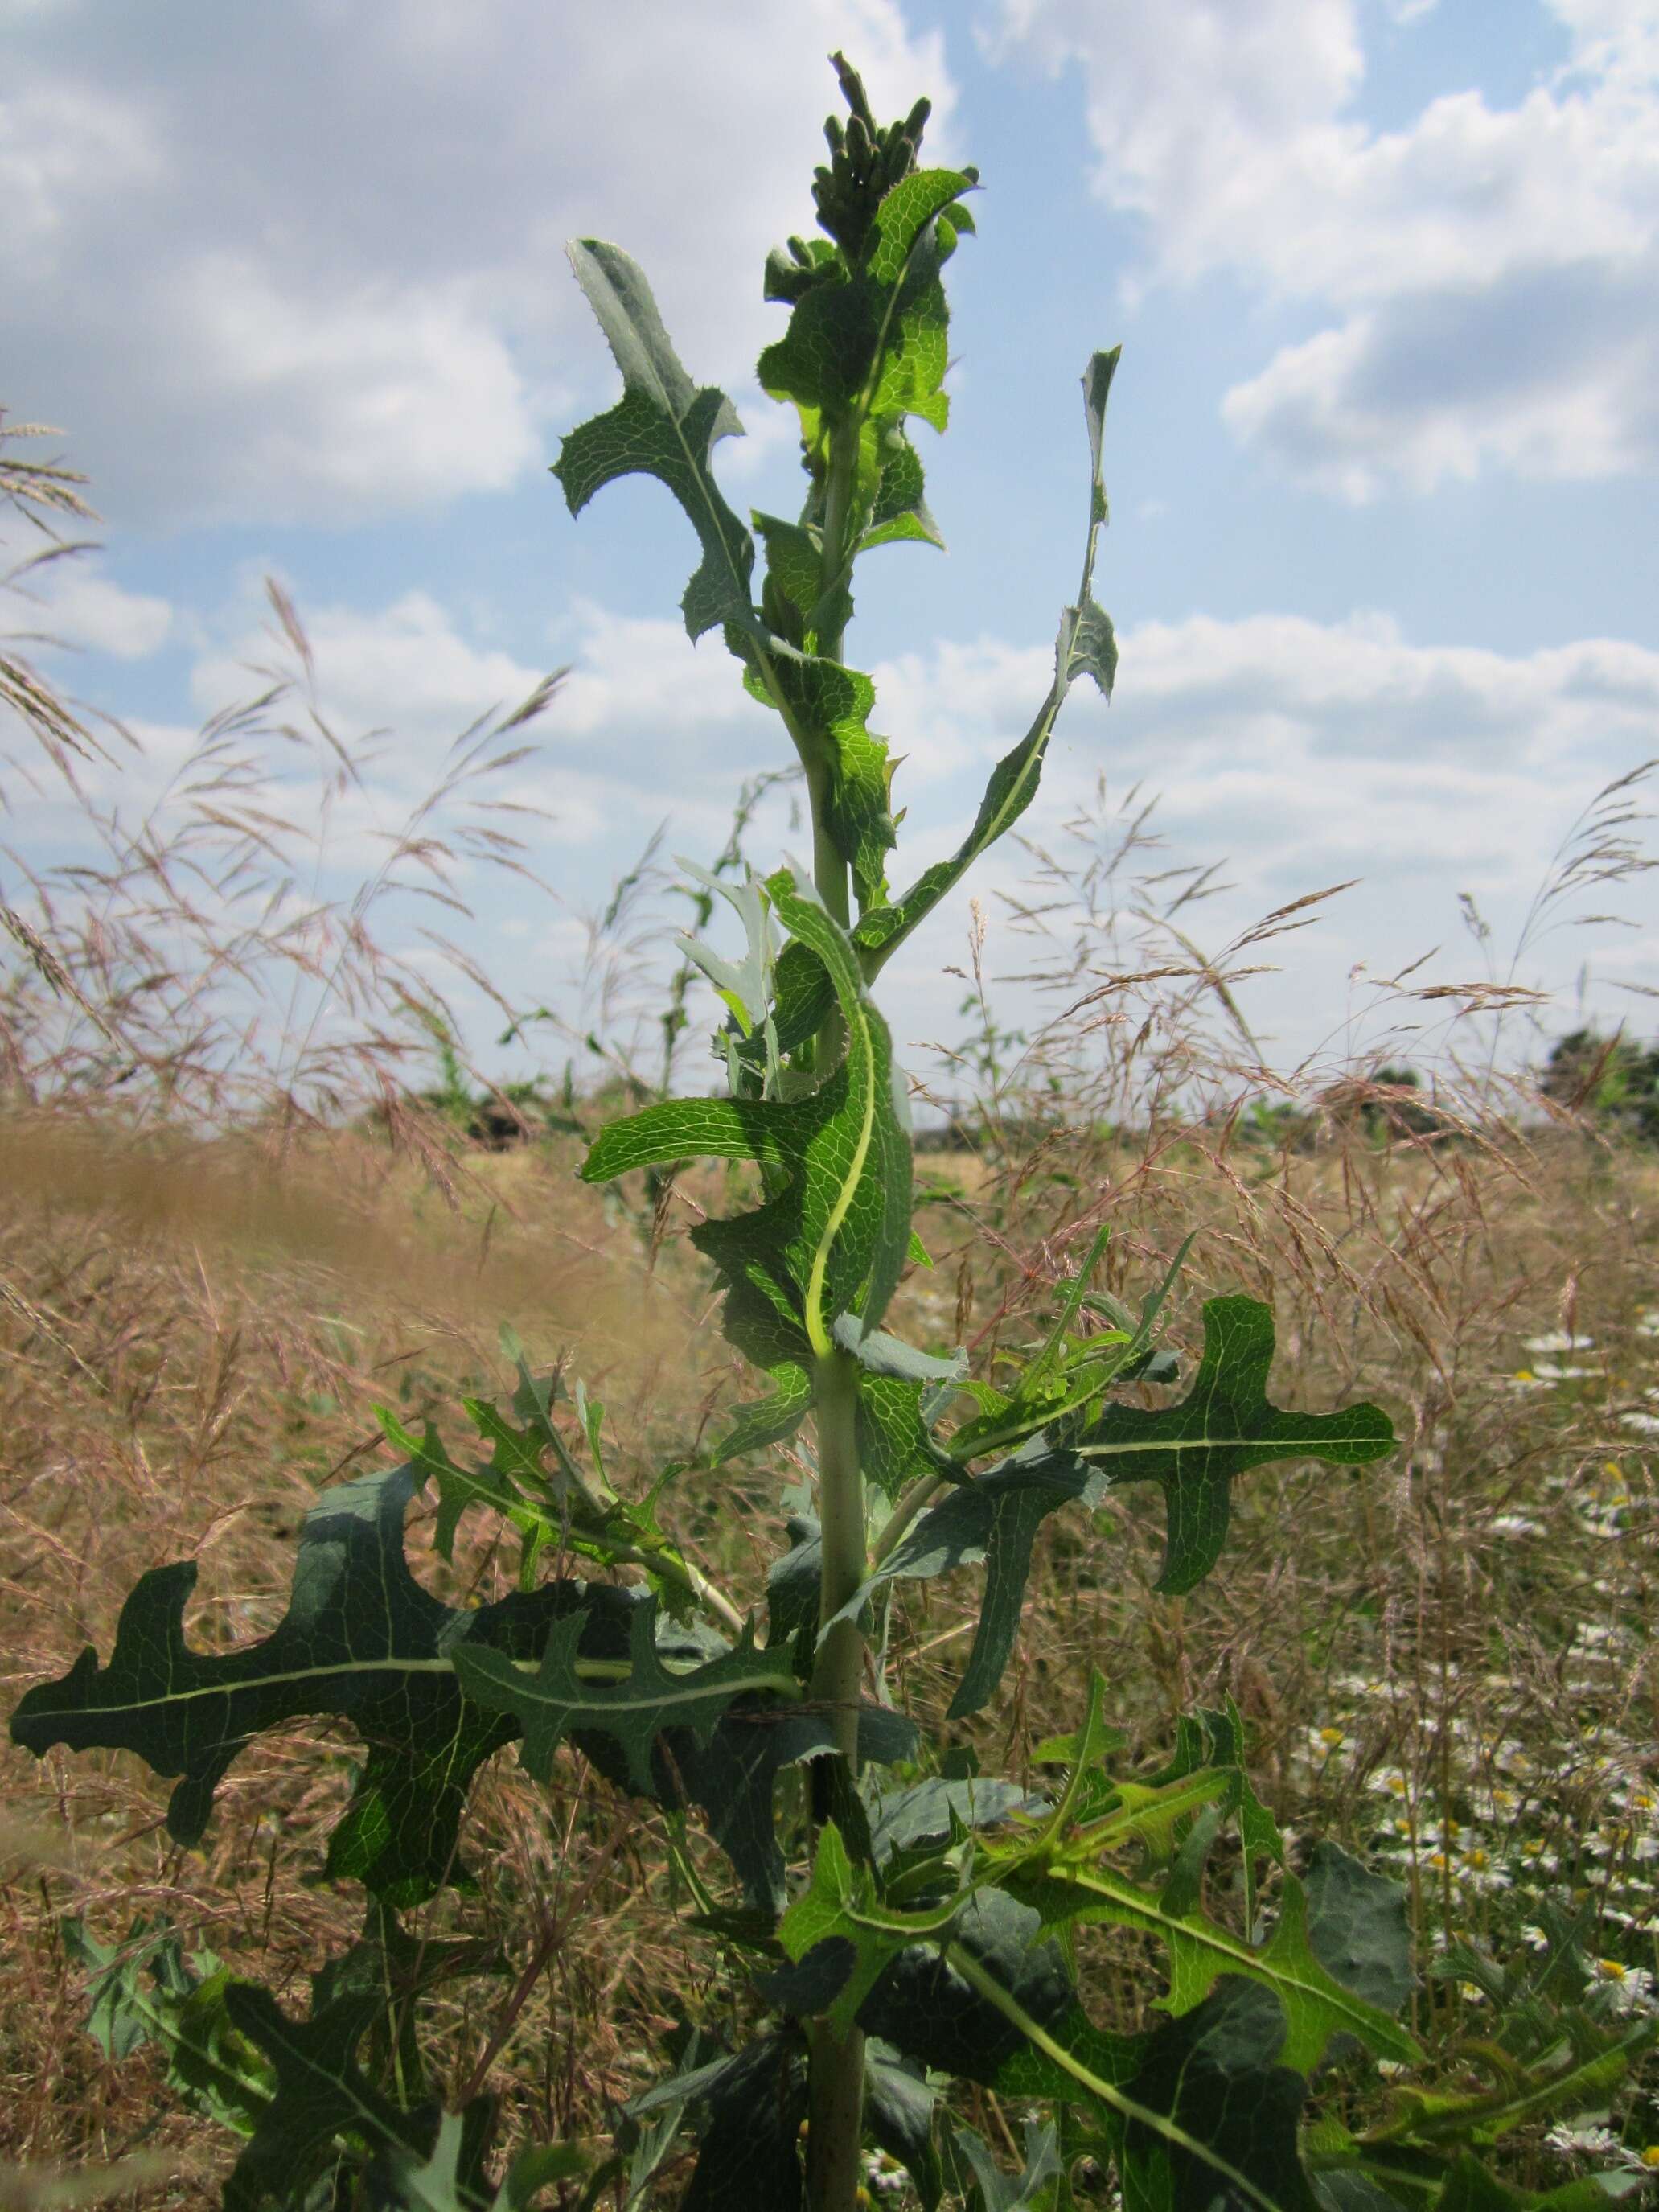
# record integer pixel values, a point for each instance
(213, 1269)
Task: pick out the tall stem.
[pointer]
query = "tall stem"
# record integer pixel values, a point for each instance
(836, 2094)
(837, 1678)
(837, 510)
(830, 869)
(835, 2074)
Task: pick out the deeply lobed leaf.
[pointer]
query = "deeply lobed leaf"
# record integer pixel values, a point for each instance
(662, 426)
(362, 1641)
(554, 1701)
(1223, 1427)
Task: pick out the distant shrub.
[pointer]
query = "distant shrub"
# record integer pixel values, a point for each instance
(1610, 1077)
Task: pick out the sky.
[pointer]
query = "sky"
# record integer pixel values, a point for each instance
(1381, 452)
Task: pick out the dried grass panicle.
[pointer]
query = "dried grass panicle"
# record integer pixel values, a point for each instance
(183, 953)
(211, 1266)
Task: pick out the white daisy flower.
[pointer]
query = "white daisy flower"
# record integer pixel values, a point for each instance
(1632, 1986)
(1582, 2142)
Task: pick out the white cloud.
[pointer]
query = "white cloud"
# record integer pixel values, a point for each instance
(1288, 753)
(405, 666)
(644, 726)
(68, 152)
(1547, 375)
(306, 264)
(79, 608)
(1496, 270)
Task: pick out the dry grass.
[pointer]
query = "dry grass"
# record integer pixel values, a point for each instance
(171, 1390)
(208, 1274)
(179, 1388)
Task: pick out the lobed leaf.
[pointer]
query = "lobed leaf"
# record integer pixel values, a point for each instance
(769, 1421)
(1223, 1426)
(1085, 646)
(1199, 2112)
(320, 2093)
(662, 426)
(995, 1518)
(362, 1641)
(1230, 2110)
(554, 1700)
(1069, 1890)
(145, 1991)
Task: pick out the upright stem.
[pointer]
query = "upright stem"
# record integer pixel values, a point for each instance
(836, 2073)
(837, 507)
(837, 1678)
(836, 2093)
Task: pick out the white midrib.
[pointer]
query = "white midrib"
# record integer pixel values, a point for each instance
(815, 1328)
(596, 1671)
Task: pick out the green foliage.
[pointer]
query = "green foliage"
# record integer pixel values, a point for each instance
(1610, 1077)
(919, 1926)
(147, 1991)
(555, 1701)
(833, 1234)
(362, 1640)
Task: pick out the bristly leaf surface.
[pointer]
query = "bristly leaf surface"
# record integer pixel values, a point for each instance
(1222, 1427)
(835, 1237)
(1192, 1450)
(663, 426)
(362, 1640)
(551, 1702)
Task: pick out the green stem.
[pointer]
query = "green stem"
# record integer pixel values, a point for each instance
(837, 1678)
(836, 2093)
(1106, 2092)
(829, 869)
(690, 1578)
(922, 1493)
(835, 2074)
(834, 2134)
(837, 503)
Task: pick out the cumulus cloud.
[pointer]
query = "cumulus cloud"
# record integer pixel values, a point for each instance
(1291, 754)
(406, 666)
(642, 727)
(76, 606)
(305, 266)
(1494, 272)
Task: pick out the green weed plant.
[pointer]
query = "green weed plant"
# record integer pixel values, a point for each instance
(907, 1926)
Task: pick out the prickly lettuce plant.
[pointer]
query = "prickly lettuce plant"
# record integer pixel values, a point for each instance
(918, 1924)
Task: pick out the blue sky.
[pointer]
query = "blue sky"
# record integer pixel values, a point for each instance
(1381, 452)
